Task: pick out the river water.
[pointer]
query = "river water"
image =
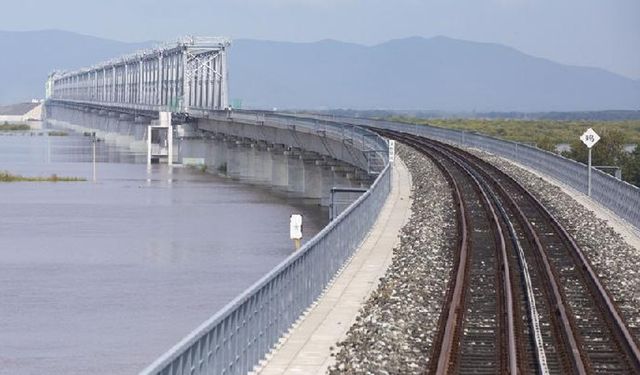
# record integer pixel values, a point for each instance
(102, 277)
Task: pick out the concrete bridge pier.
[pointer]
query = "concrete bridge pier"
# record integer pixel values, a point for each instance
(197, 149)
(253, 163)
(237, 162)
(124, 135)
(265, 166)
(219, 156)
(329, 179)
(313, 182)
(279, 170)
(100, 124)
(296, 174)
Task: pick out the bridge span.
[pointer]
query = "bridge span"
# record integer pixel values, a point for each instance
(180, 77)
(189, 79)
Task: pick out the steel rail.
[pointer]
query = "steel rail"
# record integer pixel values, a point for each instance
(534, 315)
(450, 335)
(567, 329)
(626, 340)
(512, 356)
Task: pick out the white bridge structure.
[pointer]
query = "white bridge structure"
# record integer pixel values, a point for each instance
(188, 75)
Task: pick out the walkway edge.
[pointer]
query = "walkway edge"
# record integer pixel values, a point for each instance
(307, 347)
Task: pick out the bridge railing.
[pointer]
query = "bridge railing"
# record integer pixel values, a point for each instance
(618, 196)
(237, 337)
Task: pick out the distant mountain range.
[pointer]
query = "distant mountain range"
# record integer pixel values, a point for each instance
(29, 57)
(406, 74)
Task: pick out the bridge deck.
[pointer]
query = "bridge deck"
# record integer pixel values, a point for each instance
(306, 349)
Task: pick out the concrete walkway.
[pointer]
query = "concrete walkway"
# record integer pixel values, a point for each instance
(306, 349)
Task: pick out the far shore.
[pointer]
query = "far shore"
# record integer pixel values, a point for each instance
(9, 177)
(8, 127)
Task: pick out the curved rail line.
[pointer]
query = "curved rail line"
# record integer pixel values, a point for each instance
(566, 321)
(487, 343)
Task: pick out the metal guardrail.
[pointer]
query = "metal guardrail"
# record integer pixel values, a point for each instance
(618, 196)
(237, 337)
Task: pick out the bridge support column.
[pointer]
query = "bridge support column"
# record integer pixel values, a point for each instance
(164, 123)
(279, 170)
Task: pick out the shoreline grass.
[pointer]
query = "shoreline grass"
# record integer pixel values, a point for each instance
(14, 127)
(57, 133)
(9, 177)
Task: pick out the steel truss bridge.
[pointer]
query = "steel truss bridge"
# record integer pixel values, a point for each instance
(190, 74)
(189, 80)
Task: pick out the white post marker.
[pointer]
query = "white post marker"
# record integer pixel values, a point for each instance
(149, 133)
(93, 142)
(165, 121)
(392, 150)
(589, 138)
(295, 229)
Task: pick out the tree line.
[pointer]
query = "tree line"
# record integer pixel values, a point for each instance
(548, 134)
(609, 151)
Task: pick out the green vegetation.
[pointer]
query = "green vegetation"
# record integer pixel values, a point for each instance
(202, 168)
(222, 168)
(546, 134)
(609, 151)
(541, 132)
(8, 177)
(7, 127)
(57, 133)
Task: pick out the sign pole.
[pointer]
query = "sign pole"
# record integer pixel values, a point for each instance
(589, 138)
(589, 184)
(149, 134)
(93, 142)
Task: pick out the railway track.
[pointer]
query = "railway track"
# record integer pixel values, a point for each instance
(523, 298)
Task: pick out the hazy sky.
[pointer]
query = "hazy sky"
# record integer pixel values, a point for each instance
(602, 33)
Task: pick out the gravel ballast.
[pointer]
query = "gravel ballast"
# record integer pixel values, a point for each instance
(396, 326)
(613, 259)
